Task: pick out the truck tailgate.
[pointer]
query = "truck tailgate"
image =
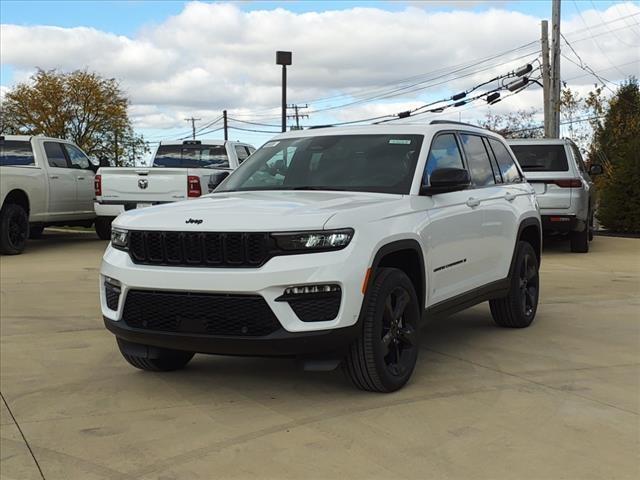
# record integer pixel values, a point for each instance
(145, 185)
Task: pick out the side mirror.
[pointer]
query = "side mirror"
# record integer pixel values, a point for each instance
(216, 179)
(445, 180)
(595, 169)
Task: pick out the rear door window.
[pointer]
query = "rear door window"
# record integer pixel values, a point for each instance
(578, 157)
(478, 160)
(242, 153)
(191, 156)
(16, 153)
(541, 158)
(506, 164)
(55, 155)
(77, 158)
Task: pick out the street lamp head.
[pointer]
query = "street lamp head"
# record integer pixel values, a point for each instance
(283, 58)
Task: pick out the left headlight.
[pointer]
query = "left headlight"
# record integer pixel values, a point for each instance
(314, 241)
(119, 238)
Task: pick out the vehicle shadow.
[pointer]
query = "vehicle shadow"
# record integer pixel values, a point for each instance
(56, 239)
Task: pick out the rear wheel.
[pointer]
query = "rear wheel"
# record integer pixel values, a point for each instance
(580, 240)
(103, 227)
(14, 229)
(165, 360)
(518, 308)
(591, 227)
(385, 355)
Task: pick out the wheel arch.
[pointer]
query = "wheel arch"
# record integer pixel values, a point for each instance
(18, 197)
(530, 231)
(406, 255)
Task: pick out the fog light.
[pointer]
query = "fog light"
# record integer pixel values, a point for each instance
(310, 289)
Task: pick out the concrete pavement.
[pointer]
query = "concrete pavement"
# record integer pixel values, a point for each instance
(560, 399)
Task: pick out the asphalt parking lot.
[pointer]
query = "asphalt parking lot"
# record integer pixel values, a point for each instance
(558, 400)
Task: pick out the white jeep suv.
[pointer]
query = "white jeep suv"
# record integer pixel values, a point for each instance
(332, 245)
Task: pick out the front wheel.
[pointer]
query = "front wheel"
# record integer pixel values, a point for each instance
(580, 241)
(165, 360)
(103, 227)
(385, 355)
(518, 308)
(14, 229)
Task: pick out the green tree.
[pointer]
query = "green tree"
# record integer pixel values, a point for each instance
(617, 144)
(80, 106)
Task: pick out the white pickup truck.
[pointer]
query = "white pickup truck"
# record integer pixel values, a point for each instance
(43, 181)
(181, 170)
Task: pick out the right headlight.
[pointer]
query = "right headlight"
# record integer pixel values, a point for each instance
(314, 241)
(119, 238)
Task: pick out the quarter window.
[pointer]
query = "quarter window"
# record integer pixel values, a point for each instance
(444, 153)
(55, 155)
(14, 152)
(508, 168)
(77, 158)
(578, 156)
(478, 160)
(241, 152)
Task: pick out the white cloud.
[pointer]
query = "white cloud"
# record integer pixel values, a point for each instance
(215, 56)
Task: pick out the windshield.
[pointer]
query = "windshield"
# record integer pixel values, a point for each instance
(541, 158)
(191, 156)
(367, 163)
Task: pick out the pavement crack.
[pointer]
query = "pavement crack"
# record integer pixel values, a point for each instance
(26, 442)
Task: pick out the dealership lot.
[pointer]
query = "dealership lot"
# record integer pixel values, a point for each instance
(560, 399)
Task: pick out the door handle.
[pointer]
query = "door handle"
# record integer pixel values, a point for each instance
(473, 202)
(53, 176)
(509, 196)
(80, 178)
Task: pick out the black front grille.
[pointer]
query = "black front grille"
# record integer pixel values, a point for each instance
(203, 249)
(212, 314)
(112, 295)
(316, 308)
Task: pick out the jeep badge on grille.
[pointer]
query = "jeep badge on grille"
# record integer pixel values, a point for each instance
(197, 221)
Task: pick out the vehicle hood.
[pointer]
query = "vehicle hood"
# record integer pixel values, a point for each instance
(256, 211)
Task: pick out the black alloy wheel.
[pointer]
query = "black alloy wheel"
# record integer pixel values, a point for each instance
(398, 334)
(14, 229)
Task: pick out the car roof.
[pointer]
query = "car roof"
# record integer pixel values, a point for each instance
(26, 138)
(398, 129)
(203, 141)
(538, 141)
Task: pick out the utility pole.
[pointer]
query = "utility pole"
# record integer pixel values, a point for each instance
(297, 115)
(193, 125)
(115, 141)
(546, 78)
(226, 127)
(284, 59)
(555, 70)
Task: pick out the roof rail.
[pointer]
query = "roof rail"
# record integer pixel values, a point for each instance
(319, 126)
(444, 122)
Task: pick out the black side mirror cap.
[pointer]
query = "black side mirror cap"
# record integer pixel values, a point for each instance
(595, 169)
(445, 180)
(216, 179)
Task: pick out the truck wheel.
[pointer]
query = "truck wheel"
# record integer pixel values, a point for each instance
(518, 308)
(383, 358)
(580, 241)
(14, 229)
(35, 231)
(166, 361)
(591, 227)
(103, 227)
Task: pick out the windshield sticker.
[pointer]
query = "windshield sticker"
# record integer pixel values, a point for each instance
(270, 144)
(399, 141)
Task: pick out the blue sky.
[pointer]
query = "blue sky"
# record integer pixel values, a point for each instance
(133, 26)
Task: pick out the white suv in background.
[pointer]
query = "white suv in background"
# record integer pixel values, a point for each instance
(563, 187)
(332, 245)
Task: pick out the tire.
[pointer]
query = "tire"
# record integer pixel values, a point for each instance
(14, 229)
(35, 231)
(580, 241)
(383, 358)
(591, 227)
(103, 227)
(518, 308)
(167, 360)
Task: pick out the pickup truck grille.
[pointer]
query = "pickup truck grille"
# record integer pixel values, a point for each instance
(203, 313)
(199, 249)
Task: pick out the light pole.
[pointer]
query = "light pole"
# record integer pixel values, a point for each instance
(284, 59)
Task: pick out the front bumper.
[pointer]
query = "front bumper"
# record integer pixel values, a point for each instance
(280, 343)
(345, 268)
